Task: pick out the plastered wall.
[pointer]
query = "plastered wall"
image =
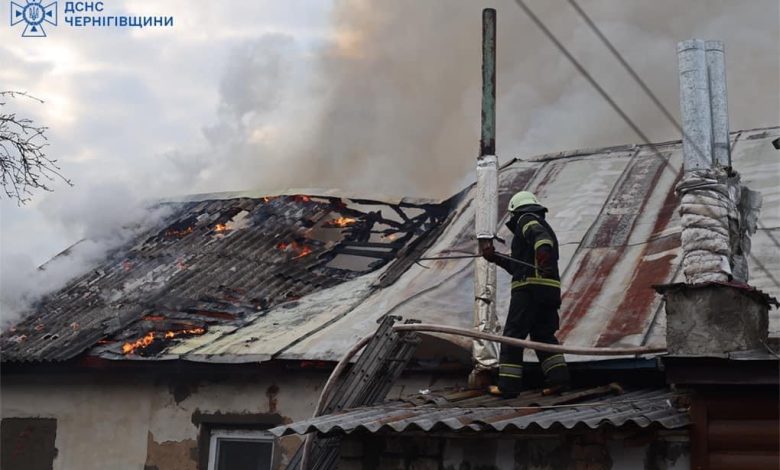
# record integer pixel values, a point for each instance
(140, 422)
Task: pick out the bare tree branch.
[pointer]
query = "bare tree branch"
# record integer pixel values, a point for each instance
(23, 161)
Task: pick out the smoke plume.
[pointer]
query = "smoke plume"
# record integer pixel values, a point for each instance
(389, 103)
(114, 217)
(403, 98)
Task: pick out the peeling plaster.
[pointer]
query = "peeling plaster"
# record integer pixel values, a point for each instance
(171, 455)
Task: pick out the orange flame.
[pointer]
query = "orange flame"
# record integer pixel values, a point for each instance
(342, 222)
(305, 251)
(299, 249)
(190, 331)
(178, 233)
(19, 338)
(131, 346)
(148, 338)
(221, 228)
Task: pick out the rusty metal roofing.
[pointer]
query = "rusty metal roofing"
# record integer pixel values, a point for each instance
(614, 211)
(471, 411)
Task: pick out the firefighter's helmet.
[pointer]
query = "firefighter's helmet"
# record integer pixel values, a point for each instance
(523, 198)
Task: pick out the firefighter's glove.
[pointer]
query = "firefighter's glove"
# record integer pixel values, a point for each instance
(489, 253)
(544, 260)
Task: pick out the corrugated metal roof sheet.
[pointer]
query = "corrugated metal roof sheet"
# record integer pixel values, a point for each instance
(614, 211)
(615, 214)
(472, 411)
(213, 267)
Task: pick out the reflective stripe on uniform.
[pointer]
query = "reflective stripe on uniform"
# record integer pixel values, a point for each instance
(529, 225)
(537, 281)
(556, 360)
(562, 364)
(544, 241)
(510, 370)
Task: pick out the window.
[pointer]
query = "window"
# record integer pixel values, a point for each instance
(240, 450)
(28, 443)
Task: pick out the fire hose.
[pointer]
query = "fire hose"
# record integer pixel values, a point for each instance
(523, 343)
(344, 362)
(450, 330)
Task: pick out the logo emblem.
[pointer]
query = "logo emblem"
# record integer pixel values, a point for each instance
(35, 15)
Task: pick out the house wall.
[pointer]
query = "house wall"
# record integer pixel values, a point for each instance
(135, 422)
(730, 431)
(587, 450)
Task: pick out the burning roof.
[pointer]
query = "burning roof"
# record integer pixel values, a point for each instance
(216, 265)
(244, 279)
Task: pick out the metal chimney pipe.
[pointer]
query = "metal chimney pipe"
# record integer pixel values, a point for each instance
(487, 143)
(695, 105)
(716, 71)
(485, 353)
(486, 217)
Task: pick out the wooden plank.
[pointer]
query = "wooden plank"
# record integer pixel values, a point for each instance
(744, 435)
(699, 451)
(744, 461)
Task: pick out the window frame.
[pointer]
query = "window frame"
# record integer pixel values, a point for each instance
(238, 434)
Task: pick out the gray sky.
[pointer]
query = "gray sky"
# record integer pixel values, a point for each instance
(369, 96)
(127, 109)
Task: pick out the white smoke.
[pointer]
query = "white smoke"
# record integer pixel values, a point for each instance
(391, 103)
(104, 217)
(404, 107)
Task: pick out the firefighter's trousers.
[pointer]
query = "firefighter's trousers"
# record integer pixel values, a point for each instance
(533, 311)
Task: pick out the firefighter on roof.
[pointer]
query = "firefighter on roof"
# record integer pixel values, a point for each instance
(536, 295)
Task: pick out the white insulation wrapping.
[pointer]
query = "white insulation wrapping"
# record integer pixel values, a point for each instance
(718, 215)
(485, 353)
(486, 218)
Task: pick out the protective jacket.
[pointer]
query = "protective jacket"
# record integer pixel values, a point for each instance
(534, 243)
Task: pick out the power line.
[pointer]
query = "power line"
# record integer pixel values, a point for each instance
(587, 76)
(626, 65)
(636, 77)
(647, 91)
(609, 99)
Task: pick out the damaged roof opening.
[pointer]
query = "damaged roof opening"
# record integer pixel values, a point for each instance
(218, 263)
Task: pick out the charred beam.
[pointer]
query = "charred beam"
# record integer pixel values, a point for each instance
(366, 253)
